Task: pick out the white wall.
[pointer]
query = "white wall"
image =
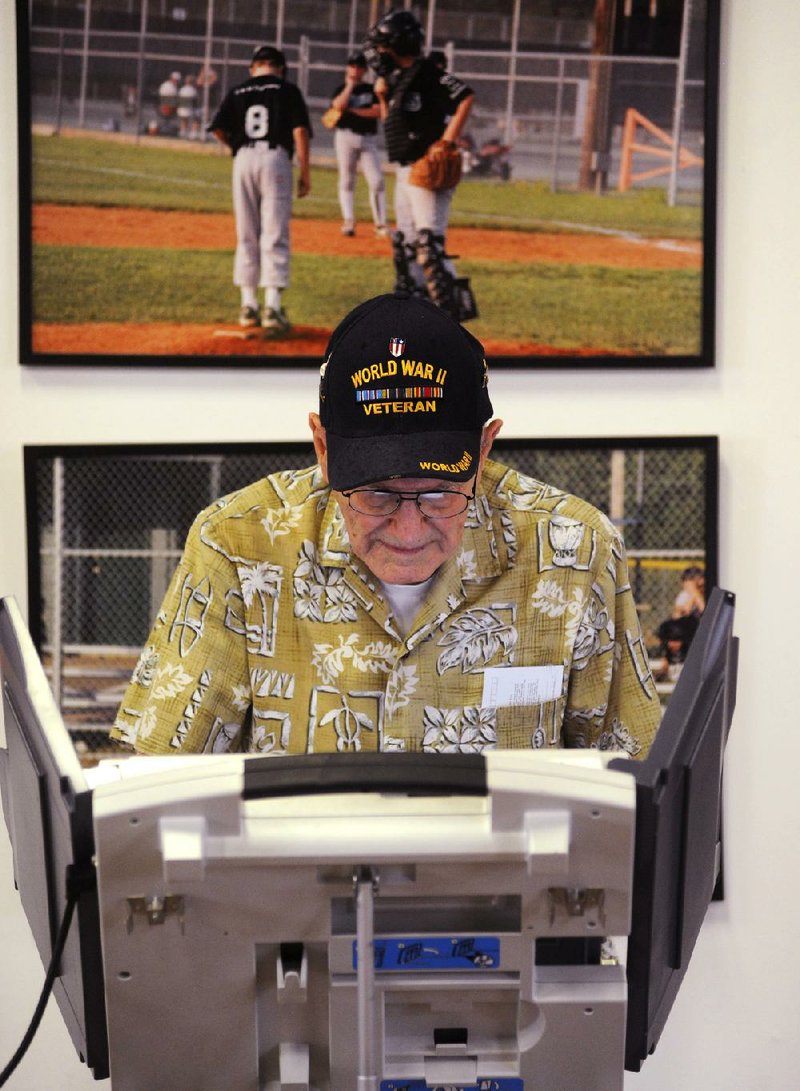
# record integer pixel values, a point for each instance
(734, 1024)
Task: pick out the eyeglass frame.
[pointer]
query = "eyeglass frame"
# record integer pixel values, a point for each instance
(401, 496)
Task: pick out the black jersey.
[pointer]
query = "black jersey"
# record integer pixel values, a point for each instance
(361, 98)
(421, 99)
(263, 109)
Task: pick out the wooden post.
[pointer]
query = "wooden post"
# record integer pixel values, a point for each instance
(662, 151)
(595, 133)
(626, 158)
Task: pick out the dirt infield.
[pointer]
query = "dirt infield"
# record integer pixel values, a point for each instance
(164, 339)
(130, 228)
(134, 227)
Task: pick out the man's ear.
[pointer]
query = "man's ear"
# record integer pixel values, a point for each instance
(488, 437)
(320, 442)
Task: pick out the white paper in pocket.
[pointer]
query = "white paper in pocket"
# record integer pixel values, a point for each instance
(506, 686)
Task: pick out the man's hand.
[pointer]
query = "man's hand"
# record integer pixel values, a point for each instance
(302, 143)
(381, 87)
(440, 150)
(439, 168)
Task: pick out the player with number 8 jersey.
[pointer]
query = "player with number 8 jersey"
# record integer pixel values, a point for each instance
(264, 121)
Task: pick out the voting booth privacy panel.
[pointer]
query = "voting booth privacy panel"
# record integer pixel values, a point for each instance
(392, 922)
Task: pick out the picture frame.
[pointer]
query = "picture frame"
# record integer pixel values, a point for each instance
(597, 249)
(98, 565)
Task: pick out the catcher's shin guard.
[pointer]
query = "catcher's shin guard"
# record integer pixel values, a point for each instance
(453, 294)
(465, 299)
(403, 255)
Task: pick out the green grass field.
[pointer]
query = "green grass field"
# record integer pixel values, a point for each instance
(83, 170)
(646, 312)
(636, 311)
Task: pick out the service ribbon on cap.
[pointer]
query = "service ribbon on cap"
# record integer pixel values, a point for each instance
(395, 393)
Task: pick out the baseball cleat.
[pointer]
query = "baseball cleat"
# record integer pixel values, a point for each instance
(249, 317)
(382, 230)
(275, 322)
(348, 229)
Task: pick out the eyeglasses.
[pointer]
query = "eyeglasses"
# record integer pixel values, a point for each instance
(379, 503)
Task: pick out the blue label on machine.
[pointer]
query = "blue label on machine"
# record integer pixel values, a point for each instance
(512, 1084)
(435, 953)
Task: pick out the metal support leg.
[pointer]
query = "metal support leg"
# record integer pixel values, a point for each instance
(366, 884)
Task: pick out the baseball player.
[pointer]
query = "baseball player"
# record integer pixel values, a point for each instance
(356, 141)
(187, 109)
(423, 108)
(168, 95)
(263, 121)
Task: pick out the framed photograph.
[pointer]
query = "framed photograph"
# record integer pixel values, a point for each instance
(584, 220)
(99, 564)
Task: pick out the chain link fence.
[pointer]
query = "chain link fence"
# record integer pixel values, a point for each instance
(533, 77)
(107, 525)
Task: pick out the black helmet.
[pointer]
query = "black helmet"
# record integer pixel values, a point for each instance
(397, 30)
(268, 54)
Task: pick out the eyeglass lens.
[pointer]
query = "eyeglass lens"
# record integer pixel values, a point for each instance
(433, 505)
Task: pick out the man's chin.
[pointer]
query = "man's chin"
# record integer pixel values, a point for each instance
(414, 567)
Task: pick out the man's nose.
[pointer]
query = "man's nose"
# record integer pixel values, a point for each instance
(408, 521)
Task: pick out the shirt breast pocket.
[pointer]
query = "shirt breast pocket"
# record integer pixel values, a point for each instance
(530, 727)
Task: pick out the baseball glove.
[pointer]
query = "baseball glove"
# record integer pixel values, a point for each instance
(439, 168)
(330, 119)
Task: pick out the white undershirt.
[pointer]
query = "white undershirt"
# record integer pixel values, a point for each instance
(405, 600)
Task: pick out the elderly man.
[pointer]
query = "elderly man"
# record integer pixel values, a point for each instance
(405, 593)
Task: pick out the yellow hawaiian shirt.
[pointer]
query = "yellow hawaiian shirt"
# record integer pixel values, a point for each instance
(273, 638)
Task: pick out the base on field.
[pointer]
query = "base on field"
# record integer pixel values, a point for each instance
(249, 334)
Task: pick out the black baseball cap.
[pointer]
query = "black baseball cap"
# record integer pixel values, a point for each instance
(403, 393)
(268, 54)
(358, 59)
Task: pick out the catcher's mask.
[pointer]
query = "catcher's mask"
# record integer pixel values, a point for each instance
(399, 31)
